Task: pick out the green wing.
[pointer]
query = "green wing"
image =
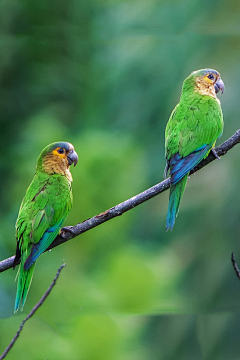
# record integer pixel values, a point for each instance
(193, 124)
(191, 132)
(46, 205)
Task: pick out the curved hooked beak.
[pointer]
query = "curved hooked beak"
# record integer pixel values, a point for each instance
(219, 85)
(72, 157)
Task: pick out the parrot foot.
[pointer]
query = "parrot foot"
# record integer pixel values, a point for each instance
(215, 154)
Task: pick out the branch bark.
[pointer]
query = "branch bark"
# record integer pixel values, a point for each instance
(32, 312)
(69, 232)
(235, 267)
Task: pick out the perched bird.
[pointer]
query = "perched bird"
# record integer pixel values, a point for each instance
(44, 208)
(191, 132)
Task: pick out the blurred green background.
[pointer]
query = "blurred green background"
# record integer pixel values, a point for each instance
(105, 75)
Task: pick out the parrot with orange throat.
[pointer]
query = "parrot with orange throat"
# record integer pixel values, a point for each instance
(44, 208)
(191, 132)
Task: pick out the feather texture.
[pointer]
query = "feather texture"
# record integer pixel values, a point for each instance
(44, 208)
(192, 130)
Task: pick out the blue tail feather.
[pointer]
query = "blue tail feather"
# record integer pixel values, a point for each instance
(24, 283)
(176, 192)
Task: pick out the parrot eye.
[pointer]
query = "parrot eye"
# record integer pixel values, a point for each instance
(211, 77)
(61, 151)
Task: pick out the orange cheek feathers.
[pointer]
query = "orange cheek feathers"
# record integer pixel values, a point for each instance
(208, 80)
(56, 153)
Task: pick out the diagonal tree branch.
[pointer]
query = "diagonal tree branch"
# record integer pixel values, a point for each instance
(70, 232)
(236, 269)
(32, 312)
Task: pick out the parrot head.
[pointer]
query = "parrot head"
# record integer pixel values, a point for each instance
(205, 82)
(56, 158)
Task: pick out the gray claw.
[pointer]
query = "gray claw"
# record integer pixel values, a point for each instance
(215, 154)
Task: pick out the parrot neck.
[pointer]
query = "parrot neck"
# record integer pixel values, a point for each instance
(43, 176)
(51, 165)
(202, 89)
(68, 175)
(193, 86)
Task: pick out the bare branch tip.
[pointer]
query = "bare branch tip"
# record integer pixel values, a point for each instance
(35, 308)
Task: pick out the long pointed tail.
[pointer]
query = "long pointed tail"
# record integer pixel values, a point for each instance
(176, 192)
(24, 282)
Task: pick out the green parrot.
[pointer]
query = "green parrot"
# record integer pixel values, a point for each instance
(44, 208)
(191, 132)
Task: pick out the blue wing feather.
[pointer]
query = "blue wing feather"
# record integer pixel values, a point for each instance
(179, 167)
(43, 244)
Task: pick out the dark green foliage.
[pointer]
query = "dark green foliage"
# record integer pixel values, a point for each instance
(105, 76)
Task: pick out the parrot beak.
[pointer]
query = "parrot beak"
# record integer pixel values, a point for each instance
(72, 157)
(219, 85)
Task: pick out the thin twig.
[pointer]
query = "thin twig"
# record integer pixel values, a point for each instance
(32, 312)
(237, 271)
(70, 232)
